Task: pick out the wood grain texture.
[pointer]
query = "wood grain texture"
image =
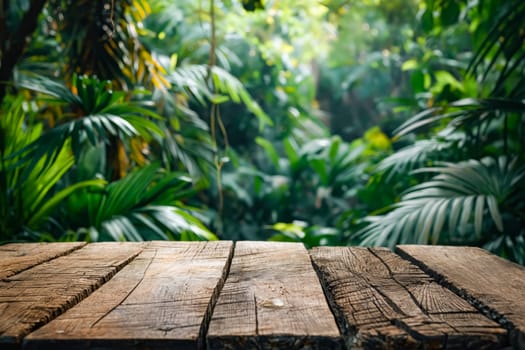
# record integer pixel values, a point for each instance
(492, 284)
(272, 299)
(161, 300)
(384, 302)
(17, 257)
(33, 297)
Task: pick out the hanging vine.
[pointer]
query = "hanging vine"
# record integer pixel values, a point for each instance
(215, 119)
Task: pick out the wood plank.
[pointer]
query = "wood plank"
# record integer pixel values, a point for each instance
(33, 297)
(272, 299)
(163, 299)
(384, 302)
(17, 257)
(492, 284)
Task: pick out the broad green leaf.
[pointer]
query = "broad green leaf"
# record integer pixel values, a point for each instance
(478, 214)
(417, 81)
(455, 210)
(270, 151)
(494, 212)
(409, 65)
(427, 20)
(59, 197)
(439, 221)
(449, 13)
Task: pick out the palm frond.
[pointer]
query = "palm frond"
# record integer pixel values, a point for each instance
(145, 204)
(230, 85)
(420, 153)
(194, 79)
(28, 192)
(462, 113)
(502, 49)
(97, 114)
(102, 38)
(465, 195)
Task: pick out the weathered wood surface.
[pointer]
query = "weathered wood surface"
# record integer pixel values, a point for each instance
(492, 284)
(33, 297)
(17, 257)
(259, 295)
(161, 300)
(272, 299)
(385, 302)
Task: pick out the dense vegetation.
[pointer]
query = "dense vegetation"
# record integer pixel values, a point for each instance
(371, 122)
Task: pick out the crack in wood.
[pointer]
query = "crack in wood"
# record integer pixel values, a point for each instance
(256, 316)
(129, 292)
(383, 301)
(393, 277)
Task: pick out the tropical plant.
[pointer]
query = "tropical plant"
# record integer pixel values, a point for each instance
(146, 204)
(18, 20)
(299, 190)
(466, 195)
(102, 38)
(30, 190)
(478, 195)
(88, 113)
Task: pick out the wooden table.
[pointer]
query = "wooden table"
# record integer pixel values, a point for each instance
(257, 295)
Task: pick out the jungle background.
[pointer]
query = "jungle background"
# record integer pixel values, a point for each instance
(335, 122)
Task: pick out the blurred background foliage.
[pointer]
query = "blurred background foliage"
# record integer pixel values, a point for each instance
(327, 122)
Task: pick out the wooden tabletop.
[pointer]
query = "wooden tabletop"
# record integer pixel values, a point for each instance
(257, 295)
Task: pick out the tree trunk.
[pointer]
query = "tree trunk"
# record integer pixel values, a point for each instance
(13, 44)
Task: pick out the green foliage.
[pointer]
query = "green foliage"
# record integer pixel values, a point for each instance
(146, 204)
(102, 38)
(193, 79)
(368, 122)
(311, 236)
(29, 190)
(466, 195)
(93, 114)
(306, 185)
(478, 129)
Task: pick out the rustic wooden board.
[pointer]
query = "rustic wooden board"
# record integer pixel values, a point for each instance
(163, 299)
(33, 297)
(17, 257)
(494, 285)
(272, 299)
(384, 302)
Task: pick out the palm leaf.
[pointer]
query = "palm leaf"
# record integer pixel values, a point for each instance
(145, 204)
(100, 115)
(104, 41)
(194, 79)
(421, 152)
(503, 46)
(29, 191)
(500, 56)
(467, 195)
(463, 112)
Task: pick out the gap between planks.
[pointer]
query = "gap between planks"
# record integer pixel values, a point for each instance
(202, 345)
(334, 309)
(163, 299)
(385, 302)
(492, 284)
(37, 295)
(272, 299)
